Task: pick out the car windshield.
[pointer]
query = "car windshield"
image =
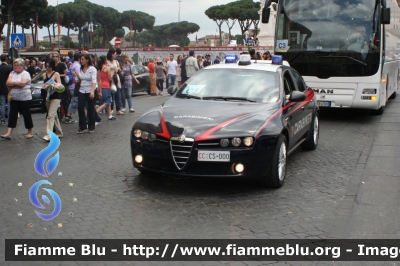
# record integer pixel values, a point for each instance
(232, 85)
(38, 77)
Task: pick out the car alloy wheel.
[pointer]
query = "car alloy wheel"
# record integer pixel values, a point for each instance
(311, 142)
(282, 162)
(277, 170)
(316, 130)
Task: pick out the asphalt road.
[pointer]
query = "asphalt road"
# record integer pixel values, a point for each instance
(347, 188)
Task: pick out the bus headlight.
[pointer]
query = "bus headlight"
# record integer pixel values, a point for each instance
(369, 91)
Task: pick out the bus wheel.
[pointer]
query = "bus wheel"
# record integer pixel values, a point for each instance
(393, 96)
(379, 111)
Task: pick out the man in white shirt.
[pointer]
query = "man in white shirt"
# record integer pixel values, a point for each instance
(191, 65)
(172, 68)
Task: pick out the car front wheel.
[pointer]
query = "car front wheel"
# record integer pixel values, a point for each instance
(311, 142)
(277, 173)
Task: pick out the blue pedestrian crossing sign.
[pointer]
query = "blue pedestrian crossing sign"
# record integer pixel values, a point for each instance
(18, 40)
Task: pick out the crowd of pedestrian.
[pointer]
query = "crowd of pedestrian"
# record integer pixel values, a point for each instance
(79, 84)
(92, 86)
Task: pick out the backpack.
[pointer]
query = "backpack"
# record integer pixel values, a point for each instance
(69, 79)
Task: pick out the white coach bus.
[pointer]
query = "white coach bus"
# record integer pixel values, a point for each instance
(348, 51)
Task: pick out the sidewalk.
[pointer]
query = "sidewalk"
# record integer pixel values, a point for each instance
(375, 213)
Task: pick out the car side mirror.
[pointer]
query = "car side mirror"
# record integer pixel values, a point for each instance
(172, 90)
(297, 96)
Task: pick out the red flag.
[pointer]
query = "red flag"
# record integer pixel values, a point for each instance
(131, 25)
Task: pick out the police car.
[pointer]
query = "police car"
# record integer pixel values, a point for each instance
(238, 119)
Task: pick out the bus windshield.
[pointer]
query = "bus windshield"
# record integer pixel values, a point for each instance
(322, 33)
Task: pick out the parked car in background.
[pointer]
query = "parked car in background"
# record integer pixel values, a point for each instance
(142, 74)
(36, 86)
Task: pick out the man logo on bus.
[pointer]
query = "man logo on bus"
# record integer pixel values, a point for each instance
(323, 91)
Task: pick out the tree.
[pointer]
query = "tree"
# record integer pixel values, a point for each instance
(141, 21)
(24, 13)
(227, 16)
(216, 14)
(255, 17)
(67, 11)
(47, 17)
(120, 33)
(245, 11)
(109, 19)
(173, 33)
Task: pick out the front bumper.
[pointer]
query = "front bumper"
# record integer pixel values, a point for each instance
(157, 157)
(36, 101)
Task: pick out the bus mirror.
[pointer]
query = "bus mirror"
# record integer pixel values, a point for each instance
(385, 15)
(265, 15)
(384, 3)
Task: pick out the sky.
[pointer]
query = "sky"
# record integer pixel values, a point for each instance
(165, 11)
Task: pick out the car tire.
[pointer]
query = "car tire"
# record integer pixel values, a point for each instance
(379, 111)
(393, 96)
(311, 142)
(277, 172)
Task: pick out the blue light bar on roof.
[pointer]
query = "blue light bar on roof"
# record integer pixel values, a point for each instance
(230, 58)
(277, 60)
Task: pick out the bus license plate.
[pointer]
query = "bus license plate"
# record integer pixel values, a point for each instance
(327, 104)
(214, 156)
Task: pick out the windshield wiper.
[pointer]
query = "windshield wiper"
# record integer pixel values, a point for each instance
(191, 96)
(228, 98)
(343, 56)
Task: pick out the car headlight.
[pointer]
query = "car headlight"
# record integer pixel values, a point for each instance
(248, 141)
(36, 91)
(137, 133)
(145, 135)
(236, 142)
(224, 142)
(152, 137)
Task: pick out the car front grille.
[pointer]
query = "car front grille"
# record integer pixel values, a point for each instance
(181, 152)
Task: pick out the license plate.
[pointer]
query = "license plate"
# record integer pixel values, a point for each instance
(214, 156)
(327, 104)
